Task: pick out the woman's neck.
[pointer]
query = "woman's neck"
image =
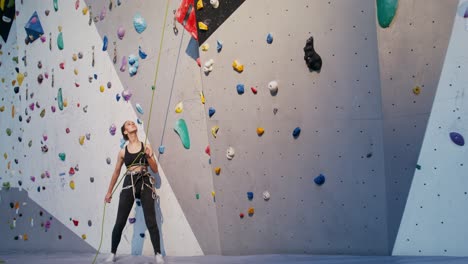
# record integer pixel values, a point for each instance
(133, 139)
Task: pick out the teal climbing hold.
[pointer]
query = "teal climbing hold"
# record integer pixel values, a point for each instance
(181, 129)
(386, 10)
(60, 99)
(60, 41)
(62, 156)
(56, 5)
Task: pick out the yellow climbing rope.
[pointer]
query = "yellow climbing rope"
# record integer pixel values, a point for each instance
(147, 124)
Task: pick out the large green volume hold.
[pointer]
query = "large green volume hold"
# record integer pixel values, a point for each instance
(181, 129)
(386, 10)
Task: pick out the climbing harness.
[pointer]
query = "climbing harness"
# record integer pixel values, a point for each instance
(147, 128)
(141, 176)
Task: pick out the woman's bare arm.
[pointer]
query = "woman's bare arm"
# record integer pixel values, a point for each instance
(115, 175)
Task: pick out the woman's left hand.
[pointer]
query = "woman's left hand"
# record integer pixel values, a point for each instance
(148, 151)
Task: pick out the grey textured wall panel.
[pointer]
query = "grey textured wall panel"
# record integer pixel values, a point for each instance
(339, 111)
(411, 53)
(29, 224)
(188, 171)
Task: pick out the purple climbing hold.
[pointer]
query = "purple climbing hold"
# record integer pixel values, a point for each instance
(112, 129)
(132, 220)
(123, 66)
(121, 32)
(457, 138)
(126, 94)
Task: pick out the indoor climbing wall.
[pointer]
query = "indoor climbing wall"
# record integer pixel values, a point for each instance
(177, 96)
(65, 129)
(435, 215)
(411, 53)
(297, 153)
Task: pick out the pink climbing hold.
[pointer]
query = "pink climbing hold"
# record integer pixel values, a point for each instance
(67, 130)
(62, 65)
(121, 32)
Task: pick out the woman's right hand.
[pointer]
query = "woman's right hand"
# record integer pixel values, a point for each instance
(108, 198)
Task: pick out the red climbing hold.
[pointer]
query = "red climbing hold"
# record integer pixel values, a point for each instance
(62, 65)
(71, 171)
(207, 150)
(185, 15)
(254, 90)
(75, 222)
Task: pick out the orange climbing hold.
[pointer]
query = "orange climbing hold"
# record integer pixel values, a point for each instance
(217, 170)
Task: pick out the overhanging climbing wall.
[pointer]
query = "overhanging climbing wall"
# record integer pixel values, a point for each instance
(338, 111)
(434, 220)
(411, 53)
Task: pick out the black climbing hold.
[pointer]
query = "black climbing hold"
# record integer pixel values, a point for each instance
(312, 59)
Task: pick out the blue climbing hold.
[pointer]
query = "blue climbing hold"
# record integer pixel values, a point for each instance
(139, 23)
(104, 44)
(161, 149)
(250, 196)
(139, 108)
(219, 46)
(240, 88)
(457, 138)
(319, 180)
(139, 121)
(141, 53)
(269, 38)
(296, 132)
(211, 111)
(138, 202)
(117, 97)
(95, 76)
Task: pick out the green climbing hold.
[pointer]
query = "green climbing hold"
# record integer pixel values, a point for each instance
(197, 196)
(60, 41)
(6, 185)
(386, 10)
(181, 129)
(8, 131)
(56, 5)
(60, 99)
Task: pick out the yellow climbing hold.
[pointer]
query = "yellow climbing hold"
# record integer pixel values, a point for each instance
(60, 28)
(199, 4)
(2, 108)
(237, 66)
(217, 170)
(214, 131)
(74, 57)
(213, 193)
(202, 98)
(101, 88)
(81, 140)
(260, 131)
(85, 10)
(20, 78)
(417, 90)
(72, 185)
(205, 47)
(75, 71)
(179, 108)
(251, 211)
(12, 111)
(65, 103)
(202, 26)
(25, 237)
(83, 236)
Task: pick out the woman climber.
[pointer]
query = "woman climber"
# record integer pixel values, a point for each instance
(138, 183)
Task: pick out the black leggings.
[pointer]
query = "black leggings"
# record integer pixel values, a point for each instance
(125, 205)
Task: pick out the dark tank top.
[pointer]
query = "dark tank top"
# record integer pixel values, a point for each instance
(130, 158)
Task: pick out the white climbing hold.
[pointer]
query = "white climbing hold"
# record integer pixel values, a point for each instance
(230, 153)
(208, 67)
(273, 86)
(266, 195)
(214, 3)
